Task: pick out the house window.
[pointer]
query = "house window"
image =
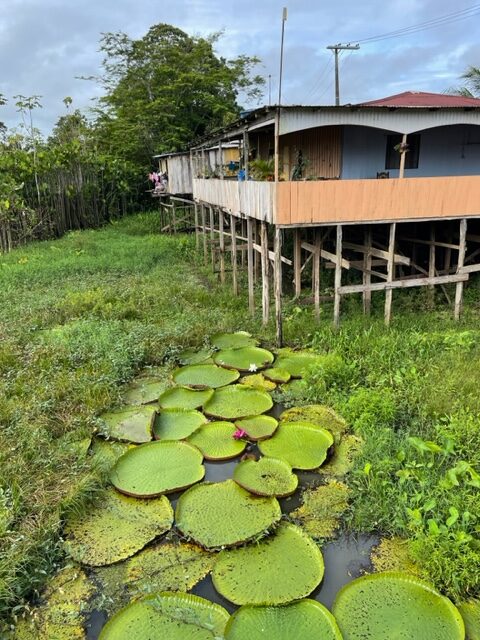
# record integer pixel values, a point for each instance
(392, 159)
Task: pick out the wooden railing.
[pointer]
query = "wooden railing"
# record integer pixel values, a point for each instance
(252, 199)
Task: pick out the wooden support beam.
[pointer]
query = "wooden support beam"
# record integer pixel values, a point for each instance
(316, 273)
(406, 283)
(245, 153)
(174, 218)
(378, 253)
(204, 233)
(265, 273)
(403, 153)
(250, 267)
(197, 236)
(325, 254)
(212, 237)
(277, 270)
(367, 274)
(390, 273)
(431, 260)
(447, 245)
(221, 246)
(460, 264)
(233, 231)
(271, 254)
(338, 277)
(297, 261)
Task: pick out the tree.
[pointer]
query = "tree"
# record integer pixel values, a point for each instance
(471, 89)
(166, 89)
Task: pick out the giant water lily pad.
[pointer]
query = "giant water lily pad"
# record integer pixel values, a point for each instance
(296, 363)
(318, 414)
(267, 477)
(158, 467)
(395, 605)
(286, 566)
(62, 610)
(322, 508)
(216, 441)
(176, 616)
(177, 424)
(235, 340)
(132, 424)
(244, 359)
(184, 398)
(258, 381)
(305, 620)
(258, 427)
(205, 375)
(105, 453)
(194, 356)
(301, 444)
(343, 457)
(144, 390)
(470, 611)
(221, 514)
(277, 375)
(116, 527)
(237, 401)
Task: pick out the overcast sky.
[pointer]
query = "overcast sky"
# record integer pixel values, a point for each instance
(45, 44)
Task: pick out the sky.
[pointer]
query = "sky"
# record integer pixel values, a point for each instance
(46, 44)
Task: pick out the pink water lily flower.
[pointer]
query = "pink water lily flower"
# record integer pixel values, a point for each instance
(239, 433)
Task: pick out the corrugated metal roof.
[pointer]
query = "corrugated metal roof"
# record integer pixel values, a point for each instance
(423, 99)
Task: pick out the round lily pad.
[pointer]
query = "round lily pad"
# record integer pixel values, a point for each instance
(267, 477)
(296, 362)
(194, 356)
(235, 340)
(132, 424)
(116, 528)
(470, 611)
(105, 453)
(176, 616)
(184, 398)
(237, 401)
(205, 375)
(216, 441)
(302, 444)
(395, 605)
(278, 375)
(157, 467)
(305, 619)
(258, 427)
(286, 566)
(217, 514)
(244, 359)
(177, 424)
(317, 414)
(258, 381)
(144, 390)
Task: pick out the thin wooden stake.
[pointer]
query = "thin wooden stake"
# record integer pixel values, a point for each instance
(390, 273)
(278, 285)
(197, 236)
(367, 276)
(297, 261)
(174, 214)
(265, 269)
(221, 246)
(338, 277)
(462, 246)
(204, 230)
(316, 273)
(233, 233)
(431, 261)
(212, 237)
(250, 266)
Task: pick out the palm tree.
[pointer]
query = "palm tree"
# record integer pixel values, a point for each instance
(471, 89)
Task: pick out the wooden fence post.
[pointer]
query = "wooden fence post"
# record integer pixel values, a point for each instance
(390, 273)
(338, 277)
(233, 234)
(278, 285)
(250, 266)
(462, 246)
(265, 272)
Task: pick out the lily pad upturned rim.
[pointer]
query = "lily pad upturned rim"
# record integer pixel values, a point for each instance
(285, 444)
(220, 448)
(211, 407)
(202, 396)
(244, 359)
(225, 516)
(306, 616)
(249, 474)
(246, 424)
(233, 340)
(192, 416)
(135, 434)
(344, 608)
(216, 617)
(193, 475)
(204, 376)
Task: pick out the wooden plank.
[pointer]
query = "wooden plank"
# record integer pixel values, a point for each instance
(460, 264)
(197, 235)
(471, 268)
(233, 230)
(406, 283)
(316, 273)
(265, 274)
(367, 275)
(271, 254)
(297, 262)
(278, 286)
(212, 237)
(378, 253)
(221, 246)
(204, 233)
(338, 277)
(431, 259)
(251, 292)
(390, 273)
(447, 245)
(325, 254)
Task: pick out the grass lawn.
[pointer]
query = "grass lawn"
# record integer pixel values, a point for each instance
(80, 316)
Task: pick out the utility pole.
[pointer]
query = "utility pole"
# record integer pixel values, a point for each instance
(336, 48)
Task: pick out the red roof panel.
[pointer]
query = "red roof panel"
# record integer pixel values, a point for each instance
(423, 99)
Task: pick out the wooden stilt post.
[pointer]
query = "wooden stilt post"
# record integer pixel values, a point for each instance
(256, 258)
(403, 153)
(390, 273)
(197, 236)
(367, 276)
(250, 267)
(221, 246)
(338, 277)
(297, 261)
(278, 285)
(233, 237)
(316, 273)
(265, 270)
(431, 262)
(212, 237)
(174, 214)
(204, 229)
(462, 246)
